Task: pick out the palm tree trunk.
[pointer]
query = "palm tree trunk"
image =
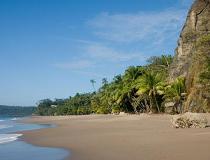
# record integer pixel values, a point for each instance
(150, 103)
(147, 107)
(158, 108)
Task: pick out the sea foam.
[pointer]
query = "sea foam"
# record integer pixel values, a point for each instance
(15, 119)
(5, 138)
(2, 126)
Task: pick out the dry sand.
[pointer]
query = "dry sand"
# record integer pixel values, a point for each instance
(127, 137)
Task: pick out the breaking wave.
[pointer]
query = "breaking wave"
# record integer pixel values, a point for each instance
(5, 138)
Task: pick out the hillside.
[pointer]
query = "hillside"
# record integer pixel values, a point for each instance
(16, 111)
(192, 59)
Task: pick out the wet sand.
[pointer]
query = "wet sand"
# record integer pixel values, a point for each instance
(110, 137)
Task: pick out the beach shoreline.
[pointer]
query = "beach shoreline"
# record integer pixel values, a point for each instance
(122, 137)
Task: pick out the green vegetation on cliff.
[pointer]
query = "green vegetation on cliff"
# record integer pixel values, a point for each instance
(192, 58)
(204, 44)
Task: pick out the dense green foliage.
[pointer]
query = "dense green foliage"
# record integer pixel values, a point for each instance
(204, 45)
(79, 104)
(16, 111)
(139, 89)
(176, 93)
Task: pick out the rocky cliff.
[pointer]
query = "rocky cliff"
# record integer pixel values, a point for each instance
(192, 58)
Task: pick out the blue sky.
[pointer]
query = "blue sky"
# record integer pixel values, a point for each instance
(52, 48)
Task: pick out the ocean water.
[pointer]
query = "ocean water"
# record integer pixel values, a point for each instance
(12, 148)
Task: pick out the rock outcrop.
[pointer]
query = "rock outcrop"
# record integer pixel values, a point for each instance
(192, 58)
(189, 120)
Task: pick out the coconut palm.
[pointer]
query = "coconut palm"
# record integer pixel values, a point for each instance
(125, 88)
(132, 73)
(92, 81)
(151, 84)
(175, 92)
(122, 95)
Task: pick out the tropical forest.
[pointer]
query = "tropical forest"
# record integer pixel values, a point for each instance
(141, 89)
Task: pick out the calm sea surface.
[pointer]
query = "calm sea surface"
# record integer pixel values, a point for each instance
(11, 148)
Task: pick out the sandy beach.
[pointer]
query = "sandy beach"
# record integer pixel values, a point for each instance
(110, 137)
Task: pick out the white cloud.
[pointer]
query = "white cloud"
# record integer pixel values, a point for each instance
(75, 64)
(142, 26)
(125, 38)
(102, 52)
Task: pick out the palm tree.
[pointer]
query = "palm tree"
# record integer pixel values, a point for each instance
(104, 82)
(124, 88)
(151, 84)
(92, 81)
(175, 92)
(132, 73)
(121, 94)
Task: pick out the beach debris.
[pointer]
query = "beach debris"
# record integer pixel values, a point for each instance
(169, 107)
(123, 113)
(189, 120)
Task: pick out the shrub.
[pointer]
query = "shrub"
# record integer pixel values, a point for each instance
(116, 109)
(102, 110)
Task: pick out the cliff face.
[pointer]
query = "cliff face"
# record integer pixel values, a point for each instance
(192, 58)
